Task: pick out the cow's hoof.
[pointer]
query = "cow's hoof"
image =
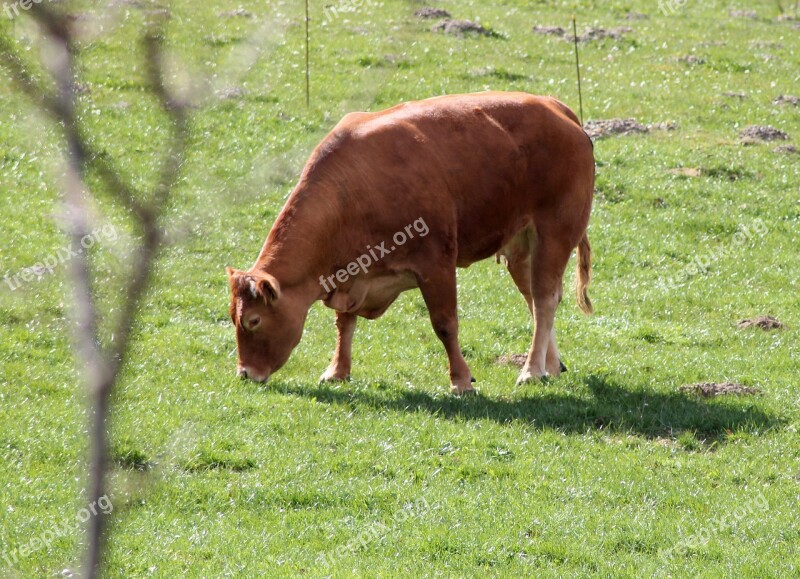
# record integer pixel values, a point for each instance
(562, 366)
(456, 391)
(527, 377)
(333, 376)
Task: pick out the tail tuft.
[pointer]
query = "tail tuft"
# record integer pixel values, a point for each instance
(584, 274)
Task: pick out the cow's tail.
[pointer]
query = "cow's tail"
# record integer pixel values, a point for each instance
(584, 274)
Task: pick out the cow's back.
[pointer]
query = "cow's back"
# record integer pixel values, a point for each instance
(478, 167)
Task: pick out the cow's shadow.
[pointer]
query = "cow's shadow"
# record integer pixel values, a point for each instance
(613, 408)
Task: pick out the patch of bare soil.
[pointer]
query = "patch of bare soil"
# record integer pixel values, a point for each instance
(668, 126)
(735, 95)
(767, 44)
(763, 322)
(591, 34)
(431, 13)
(549, 30)
(787, 99)
(709, 389)
(751, 14)
(758, 133)
(605, 128)
(788, 149)
(462, 27)
(238, 13)
(686, 171)
(691, 59)
(588, 35)
(786, 18)
(636, 16)
(513, 360)
(231, 92)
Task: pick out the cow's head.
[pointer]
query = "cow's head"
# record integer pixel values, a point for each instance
(268, 324)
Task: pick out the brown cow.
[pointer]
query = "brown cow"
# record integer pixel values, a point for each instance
(457, 179)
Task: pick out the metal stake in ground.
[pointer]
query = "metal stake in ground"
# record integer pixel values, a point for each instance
(308, 75)
(578, 66)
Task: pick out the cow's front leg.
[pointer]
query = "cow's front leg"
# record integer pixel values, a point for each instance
(339, 368)
(439, 292)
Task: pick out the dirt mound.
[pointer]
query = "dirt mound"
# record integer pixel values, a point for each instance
(751, 14)
(786, 99)
(691, 59)
(231, 92)
(686, 172)
(756, 133)
(431, 13)
(238, 13)
(789, 149)
(763, 322)
(549, 30)
(709, 389)
(668, 126)
(589, 34)
(605, 128)
(512, 359)
(462, 27)
(636, 16)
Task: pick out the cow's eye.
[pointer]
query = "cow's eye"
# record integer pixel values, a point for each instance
(253, 322)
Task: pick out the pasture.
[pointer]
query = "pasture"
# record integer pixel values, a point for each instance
(611, 470)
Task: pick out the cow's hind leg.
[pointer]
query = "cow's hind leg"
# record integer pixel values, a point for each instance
(550, 257)
(518, 259)
(518, 256)
(339, 368)
(438, 287)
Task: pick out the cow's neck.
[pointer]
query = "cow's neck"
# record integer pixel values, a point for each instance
(298, 246)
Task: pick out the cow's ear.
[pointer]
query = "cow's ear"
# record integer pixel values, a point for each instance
(268, 287)
(230, 271)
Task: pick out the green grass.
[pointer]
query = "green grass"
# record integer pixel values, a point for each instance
(608, 471)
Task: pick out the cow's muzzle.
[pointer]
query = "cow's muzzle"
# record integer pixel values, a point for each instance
(248, 373)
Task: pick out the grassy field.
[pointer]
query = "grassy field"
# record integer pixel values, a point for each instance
(608, 471)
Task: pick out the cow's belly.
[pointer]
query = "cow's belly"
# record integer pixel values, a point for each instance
(476, 245)
(370, 296)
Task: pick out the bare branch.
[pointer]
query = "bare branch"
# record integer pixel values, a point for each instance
(53, 104)
(24, 78)
(101, 365)
(170, 169)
